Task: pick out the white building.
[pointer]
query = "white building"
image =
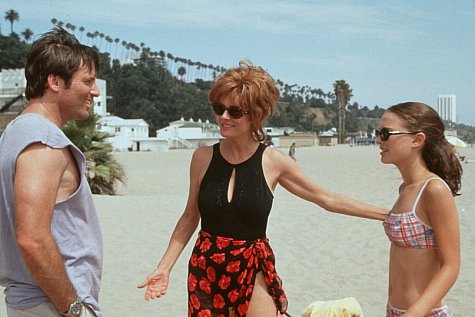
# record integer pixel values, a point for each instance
(150, 145)
(100, 103)
(447, 107)
(124, 131)
(127, 134)
(12, 80)
(189, 134)
(12, 88)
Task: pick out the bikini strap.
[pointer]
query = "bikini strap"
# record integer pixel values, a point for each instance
(419, 194)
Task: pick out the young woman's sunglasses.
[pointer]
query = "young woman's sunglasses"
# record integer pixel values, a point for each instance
(234, 112)
(384, 133)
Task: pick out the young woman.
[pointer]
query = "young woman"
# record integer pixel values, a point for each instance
(423, 224)
(232, 267)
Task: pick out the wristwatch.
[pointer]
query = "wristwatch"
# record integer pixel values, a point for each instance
(75, 309)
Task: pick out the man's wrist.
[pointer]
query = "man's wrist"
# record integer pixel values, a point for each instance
(75, 309)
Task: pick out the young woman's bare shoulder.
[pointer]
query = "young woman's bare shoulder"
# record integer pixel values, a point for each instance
(438, 189)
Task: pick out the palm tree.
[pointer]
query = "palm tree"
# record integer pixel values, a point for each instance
(109, 41)
(116, 41)
(320, 93)
(89, 36)
(182, 72)
(171, 58)
(81, 30)
(103, 171)
(211, 68)
(70, 26)
(124, 46)
(12, 16)
(27, 34)
(343, 94)
(162, 55)
(94, 36)
(101, 35)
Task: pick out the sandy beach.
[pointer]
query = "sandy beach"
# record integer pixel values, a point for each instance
(320, 256)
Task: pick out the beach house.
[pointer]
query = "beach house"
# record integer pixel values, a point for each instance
(328, 138)
(12, 98)
(124, 131)
(189, 134)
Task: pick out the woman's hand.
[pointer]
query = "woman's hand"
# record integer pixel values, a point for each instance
(156, 283)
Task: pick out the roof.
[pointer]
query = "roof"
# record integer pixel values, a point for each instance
(198, 125)
(118, 121)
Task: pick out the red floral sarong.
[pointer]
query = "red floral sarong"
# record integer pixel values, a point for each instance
(222, 272)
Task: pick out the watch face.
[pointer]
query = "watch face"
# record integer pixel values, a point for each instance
(76, 309)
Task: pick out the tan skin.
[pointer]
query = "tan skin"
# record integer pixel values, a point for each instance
(420, 278)
(239, 145)
(45, 176)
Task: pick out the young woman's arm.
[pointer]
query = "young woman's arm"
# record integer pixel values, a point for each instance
(439, 205)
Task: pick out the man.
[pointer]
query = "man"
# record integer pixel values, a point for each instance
(50, 240)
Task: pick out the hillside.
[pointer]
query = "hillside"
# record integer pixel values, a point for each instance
(161, 88)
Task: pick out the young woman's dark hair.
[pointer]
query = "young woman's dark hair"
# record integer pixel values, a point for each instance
(438, 153)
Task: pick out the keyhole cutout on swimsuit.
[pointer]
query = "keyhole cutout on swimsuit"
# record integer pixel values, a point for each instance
(232, 181)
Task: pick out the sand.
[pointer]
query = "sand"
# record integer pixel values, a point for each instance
(320, 256)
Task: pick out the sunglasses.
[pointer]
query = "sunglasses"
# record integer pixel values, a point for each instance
(384, 133)
(234, 112)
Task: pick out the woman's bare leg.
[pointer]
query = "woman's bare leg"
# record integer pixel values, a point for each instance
(262, 304)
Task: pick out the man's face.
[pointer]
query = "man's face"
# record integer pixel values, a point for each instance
(76, 100)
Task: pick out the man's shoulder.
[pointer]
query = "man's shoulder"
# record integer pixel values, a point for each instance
(30, 121)
(30, 128)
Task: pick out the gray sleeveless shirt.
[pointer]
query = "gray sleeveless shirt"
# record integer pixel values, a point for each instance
(74, 226)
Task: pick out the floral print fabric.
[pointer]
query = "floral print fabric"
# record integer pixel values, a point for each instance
(222, 272)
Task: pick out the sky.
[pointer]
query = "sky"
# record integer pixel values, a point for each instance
(388, 51)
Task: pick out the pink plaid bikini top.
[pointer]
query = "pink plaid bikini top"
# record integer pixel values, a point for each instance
(408, 230)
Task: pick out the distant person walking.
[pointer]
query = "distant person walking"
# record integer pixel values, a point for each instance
(292, 151)
(50, 240)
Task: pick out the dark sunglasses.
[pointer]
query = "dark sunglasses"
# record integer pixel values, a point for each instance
(384, 133)
(234, 112)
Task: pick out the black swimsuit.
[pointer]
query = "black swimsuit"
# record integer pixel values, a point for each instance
(245, 216)
(232, 247)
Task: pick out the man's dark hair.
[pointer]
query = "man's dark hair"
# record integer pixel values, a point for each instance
(56, 52)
